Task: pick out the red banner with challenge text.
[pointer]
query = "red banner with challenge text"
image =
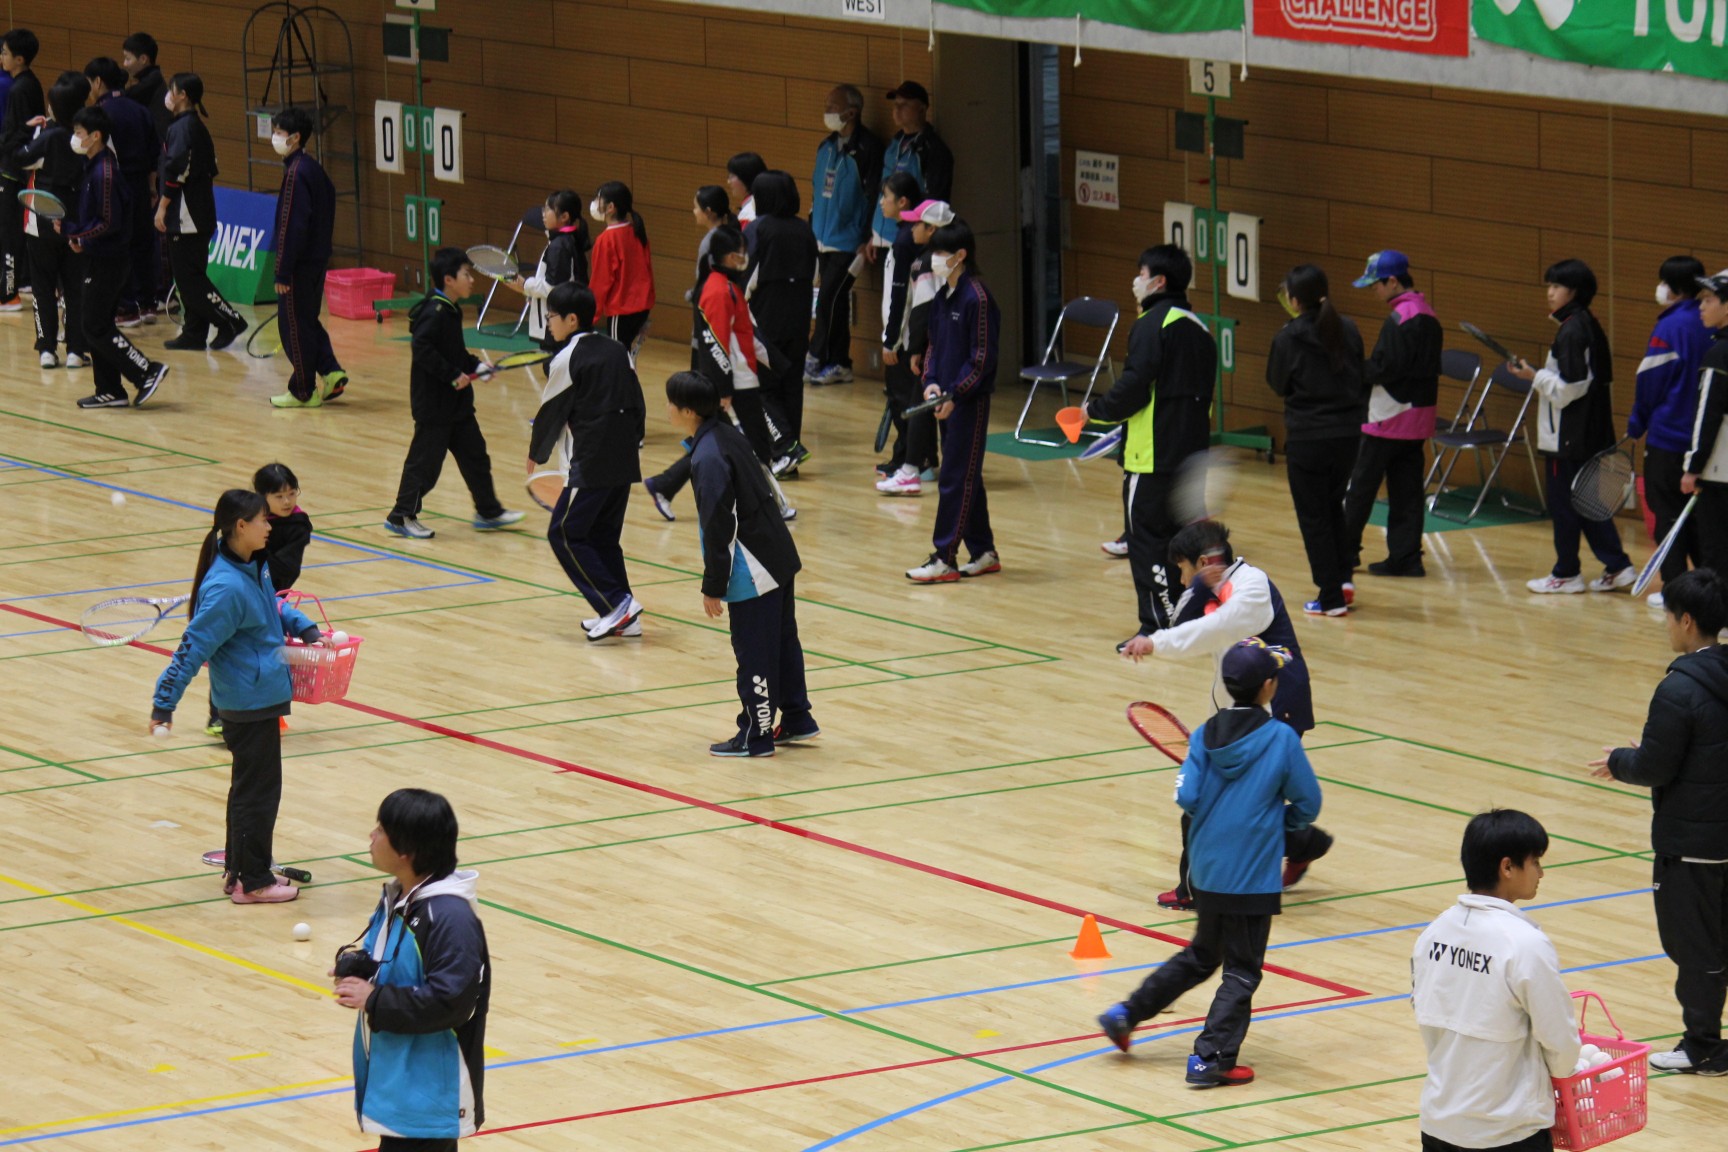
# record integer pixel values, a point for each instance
(1432, 27)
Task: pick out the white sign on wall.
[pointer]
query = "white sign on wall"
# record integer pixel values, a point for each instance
(1209, 78)
(1242, 255)
(1097, 180)
(387, 144)
(446, 144)
(864, 9)
(1179, 225)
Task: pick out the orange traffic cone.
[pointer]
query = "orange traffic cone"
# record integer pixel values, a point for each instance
(284, 723)
(1090, 945)
(1071, 420)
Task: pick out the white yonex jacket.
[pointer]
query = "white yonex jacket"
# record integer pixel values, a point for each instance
(1496, 1020)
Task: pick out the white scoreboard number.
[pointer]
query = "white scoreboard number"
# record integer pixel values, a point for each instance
(388, 145)
(446, 145)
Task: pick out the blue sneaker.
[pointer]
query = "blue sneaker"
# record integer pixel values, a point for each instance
(1212, 1074)
(1115, 1026)
(928, 475)
(494, 523)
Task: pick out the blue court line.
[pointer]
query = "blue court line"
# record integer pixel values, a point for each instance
(95, 483)
(156, 583)
(812, 1017)
(1163, 1034)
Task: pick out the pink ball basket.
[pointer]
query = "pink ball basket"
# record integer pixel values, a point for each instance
(1608, 1101)
(319, 674)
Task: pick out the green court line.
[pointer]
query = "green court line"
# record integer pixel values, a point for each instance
(42, 763)
(99, 436)
(1583, 781)
(1458, 811)
(1024, 1140)
(851, 1020)
(156, 532)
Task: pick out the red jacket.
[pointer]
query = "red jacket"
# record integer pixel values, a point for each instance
(622, 275)
(722, 327)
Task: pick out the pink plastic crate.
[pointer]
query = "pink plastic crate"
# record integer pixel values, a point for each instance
(1609, 1101)
(350, 291)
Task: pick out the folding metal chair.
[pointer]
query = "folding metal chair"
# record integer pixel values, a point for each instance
(530, 223)
(1497, 442)
(1089, 312)
(1466, 368)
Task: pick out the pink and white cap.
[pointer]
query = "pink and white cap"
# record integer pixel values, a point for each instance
(936, 213)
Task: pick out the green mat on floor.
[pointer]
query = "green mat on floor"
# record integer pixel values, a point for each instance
(1004, 444)
(1458, 501)
(490, 341)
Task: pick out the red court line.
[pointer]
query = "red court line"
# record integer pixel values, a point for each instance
(753, 818)
(808, 1080)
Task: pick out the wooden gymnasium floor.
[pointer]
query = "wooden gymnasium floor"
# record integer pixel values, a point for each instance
(861, 943)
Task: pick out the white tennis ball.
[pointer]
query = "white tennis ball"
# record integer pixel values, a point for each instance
(339, 637)
(160, 731)
(117, 498)
(1600, 1059)
(302, 931)
(1588, 1051)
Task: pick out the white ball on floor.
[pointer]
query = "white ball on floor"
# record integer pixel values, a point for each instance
(160, 731)
(302, 931)
(117, 499)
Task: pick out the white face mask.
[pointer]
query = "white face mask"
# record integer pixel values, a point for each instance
(833, 121)
(80, 143)
(594, 211)
(1664, 294)
(1142, 286)
(280, 143)
(168, 101)
(941, 264)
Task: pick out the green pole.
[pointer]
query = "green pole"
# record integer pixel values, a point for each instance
(425, 206)
(1212, 247)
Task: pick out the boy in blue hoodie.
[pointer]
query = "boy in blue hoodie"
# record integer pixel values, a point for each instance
(421, 981)
(1245, 781)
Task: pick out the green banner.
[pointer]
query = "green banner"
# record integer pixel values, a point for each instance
(1650, 35)
(1159, 16)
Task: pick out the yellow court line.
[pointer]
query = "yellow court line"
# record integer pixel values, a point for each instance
(176, 1105)
(171, 938)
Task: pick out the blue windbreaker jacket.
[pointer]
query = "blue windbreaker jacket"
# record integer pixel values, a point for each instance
(1666, 397)
(238, 630)
(1242, 796)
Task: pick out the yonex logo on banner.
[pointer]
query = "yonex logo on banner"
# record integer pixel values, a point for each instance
(1653, 35)
(236, 245)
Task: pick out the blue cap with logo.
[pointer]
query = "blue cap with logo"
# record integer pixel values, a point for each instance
(1249, 663)
(1385, 263)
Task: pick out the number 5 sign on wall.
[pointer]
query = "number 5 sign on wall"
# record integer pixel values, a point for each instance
(1209, 78)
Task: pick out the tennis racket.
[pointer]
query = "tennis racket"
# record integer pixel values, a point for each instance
(219, 859)
(126, 618)
(1492, 344)
(767, 472)
(929, 405)
(266, 340)
(525, 359)
(1105, 444)
(44, 203)
(1160, 728)
(1654, 564)
(885, 426)
(545, 487)
(491, 260)
(1603, 483)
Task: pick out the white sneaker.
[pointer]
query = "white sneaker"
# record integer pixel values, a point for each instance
(411, 528)
(788, 513)
(905, 482)
(615, 621)
(1609, 581)
(1654, 599)
(73, 360)
(1114, 548)
(1555, 584)
(49, 360)
(982, 564)
(933, 571)
(634, 628)
(1678, 1061)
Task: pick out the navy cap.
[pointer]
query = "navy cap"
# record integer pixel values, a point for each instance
(911, 90)
(1383, 264)
(1249, 663)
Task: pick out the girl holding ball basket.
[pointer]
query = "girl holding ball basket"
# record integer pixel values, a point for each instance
(237, 626)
